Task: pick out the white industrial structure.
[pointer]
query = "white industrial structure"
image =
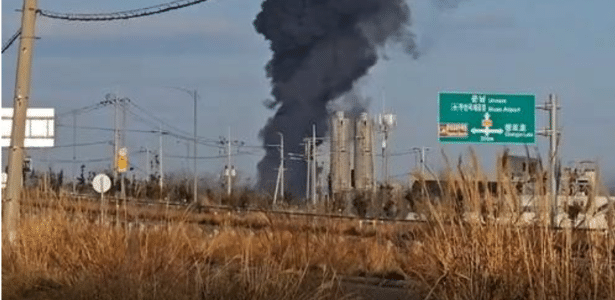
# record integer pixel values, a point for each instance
(364, 154)
(341, 146)
(351, 157)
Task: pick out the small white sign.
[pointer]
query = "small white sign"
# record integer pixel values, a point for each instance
(4, 179)
(101, 183)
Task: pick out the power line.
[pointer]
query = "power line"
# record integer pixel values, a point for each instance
(111, 129)
(181, 135)
(198, 157)
(77, 161)
(85, 109)
(122, 15)
(77, 145)
(10, 41)
(158, 120)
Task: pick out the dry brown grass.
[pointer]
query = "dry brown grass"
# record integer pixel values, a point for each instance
(63, 257)
(59, 258)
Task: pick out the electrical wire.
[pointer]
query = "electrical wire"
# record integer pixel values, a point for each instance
(76, 161)
(122, 15)
(185, 134)
(110, 129)
(85, 109)
(79, 145)
(10, 41)
(159, 120)
(181, 135)
(198, 157)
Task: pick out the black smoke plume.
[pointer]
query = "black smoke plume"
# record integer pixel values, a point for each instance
(320, 48)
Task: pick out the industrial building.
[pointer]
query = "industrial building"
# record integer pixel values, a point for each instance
(351, 158)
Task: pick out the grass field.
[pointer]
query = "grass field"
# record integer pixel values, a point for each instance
(61, 255)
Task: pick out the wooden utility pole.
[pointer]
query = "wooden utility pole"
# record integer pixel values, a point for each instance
(18, 131)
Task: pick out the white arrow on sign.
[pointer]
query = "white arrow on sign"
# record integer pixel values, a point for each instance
(486, 131)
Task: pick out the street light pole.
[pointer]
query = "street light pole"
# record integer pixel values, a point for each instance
(194, 94)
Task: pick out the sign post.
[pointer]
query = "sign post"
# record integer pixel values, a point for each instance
(101, 184)
(486, 118)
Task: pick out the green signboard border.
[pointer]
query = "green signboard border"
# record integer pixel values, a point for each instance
(485, 143)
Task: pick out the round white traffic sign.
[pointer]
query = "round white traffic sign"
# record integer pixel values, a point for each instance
(101, 183)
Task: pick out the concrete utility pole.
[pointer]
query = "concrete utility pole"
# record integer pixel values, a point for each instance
(122, 140)
(281, 166)
(229, 168)
(147, 163)
(421, 157)
(308, 152)
(553, 133)
(314, 164)
(387, 122)
(160, 158)
(74, 179)
(116, 140)
(20, 104)
(280, 179)
(195, 191)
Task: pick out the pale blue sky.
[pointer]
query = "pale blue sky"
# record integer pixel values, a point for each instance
(504, 46)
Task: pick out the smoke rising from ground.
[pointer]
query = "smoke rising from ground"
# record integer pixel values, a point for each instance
(320, 48)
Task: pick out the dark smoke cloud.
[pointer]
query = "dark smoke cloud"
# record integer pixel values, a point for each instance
(320, 48)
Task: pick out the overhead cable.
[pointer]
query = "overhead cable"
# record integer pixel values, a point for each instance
(121, 15)
(85, 109)
(110, 129)
(10, 41)
(82, 144)
(182, 134)
(77, 161)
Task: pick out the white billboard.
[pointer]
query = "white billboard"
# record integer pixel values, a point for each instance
(40, 127)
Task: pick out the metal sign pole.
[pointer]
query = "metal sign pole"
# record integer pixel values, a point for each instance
(18, 132)
(102, 205)
(553, 133)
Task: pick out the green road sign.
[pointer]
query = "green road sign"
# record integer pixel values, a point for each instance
(486, 118)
